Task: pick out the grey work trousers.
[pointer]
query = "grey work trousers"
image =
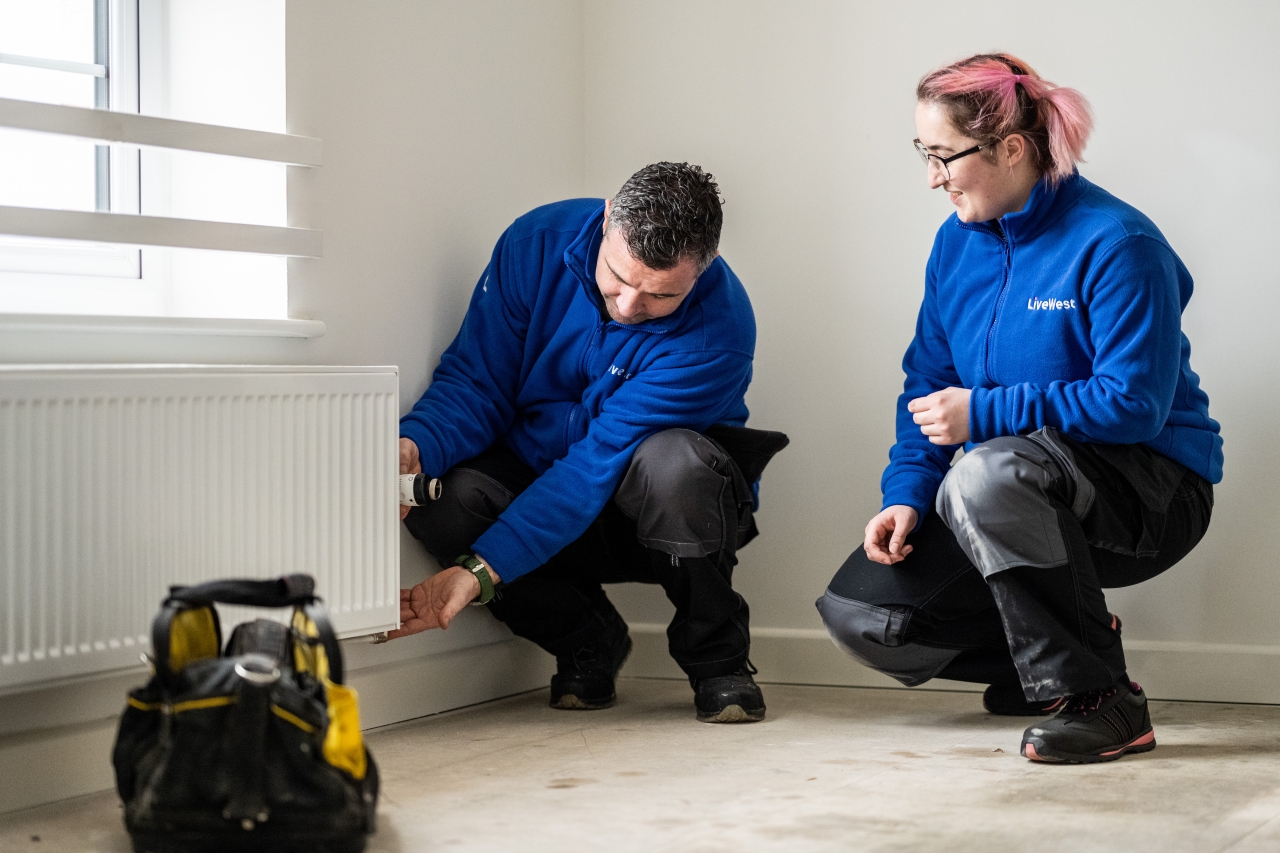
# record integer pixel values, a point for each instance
(1005, 581)
(677, 519)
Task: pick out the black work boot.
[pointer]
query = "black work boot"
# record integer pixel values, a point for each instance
(732, 698)
(584, 679)
(1101, 725)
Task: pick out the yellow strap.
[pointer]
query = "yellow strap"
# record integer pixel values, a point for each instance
(343, 744)
(144, 706)
(292, 718)
(309, 657)
(193, 635)
(199, 704)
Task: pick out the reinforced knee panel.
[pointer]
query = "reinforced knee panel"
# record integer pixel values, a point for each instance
(876, 637)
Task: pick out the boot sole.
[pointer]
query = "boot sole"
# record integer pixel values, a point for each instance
(1036, 750)
(569, 702)
(732, 714)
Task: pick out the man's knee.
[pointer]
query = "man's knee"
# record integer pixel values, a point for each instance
(679, 491)
(875, 636)
(670, 463)
(470, 502)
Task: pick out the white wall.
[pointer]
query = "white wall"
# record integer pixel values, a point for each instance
(803, 110)
(442, 122)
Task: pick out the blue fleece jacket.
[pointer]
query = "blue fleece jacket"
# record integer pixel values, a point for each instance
(1067, 314)
(540, 367)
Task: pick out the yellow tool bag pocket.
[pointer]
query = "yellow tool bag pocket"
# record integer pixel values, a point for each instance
(251, 747)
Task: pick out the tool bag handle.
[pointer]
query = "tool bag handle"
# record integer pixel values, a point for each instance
(281, 592)
(297, 591)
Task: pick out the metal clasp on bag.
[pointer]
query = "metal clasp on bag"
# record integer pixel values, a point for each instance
(257, 669)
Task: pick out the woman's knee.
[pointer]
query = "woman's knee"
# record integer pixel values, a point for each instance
(875, 636)
(995, 476)
(987, 470)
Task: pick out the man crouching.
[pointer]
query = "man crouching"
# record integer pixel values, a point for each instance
(587, 424)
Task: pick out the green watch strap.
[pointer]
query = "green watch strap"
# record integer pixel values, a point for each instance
(481, 571)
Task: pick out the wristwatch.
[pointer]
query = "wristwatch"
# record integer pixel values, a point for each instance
(476, 566)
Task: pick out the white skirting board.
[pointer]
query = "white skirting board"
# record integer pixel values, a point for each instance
(1204, 672)
(75, 759)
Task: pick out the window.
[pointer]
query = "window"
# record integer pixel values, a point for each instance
(60, 52)
(217, 64)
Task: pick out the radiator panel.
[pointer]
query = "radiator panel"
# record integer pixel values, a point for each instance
(116, 482)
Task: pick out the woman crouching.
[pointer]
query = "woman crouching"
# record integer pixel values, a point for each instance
(1049, 344)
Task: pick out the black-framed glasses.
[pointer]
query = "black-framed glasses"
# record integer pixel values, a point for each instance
(930, 159)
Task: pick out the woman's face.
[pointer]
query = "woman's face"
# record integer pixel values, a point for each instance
(980, 188)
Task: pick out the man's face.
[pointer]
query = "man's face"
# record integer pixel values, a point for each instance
(633, 292)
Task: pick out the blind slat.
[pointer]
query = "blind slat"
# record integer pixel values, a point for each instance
(150, 131)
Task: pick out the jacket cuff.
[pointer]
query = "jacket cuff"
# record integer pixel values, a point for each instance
(505, 551)
(918, 496)
(983, 415)
(419, 435)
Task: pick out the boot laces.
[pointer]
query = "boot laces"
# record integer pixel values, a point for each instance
(1087, 703)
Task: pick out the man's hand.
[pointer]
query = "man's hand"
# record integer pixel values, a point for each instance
(886, 534)
(434, 602)
(943, 415)
(410, 463)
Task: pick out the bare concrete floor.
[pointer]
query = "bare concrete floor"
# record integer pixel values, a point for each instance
(832, 769)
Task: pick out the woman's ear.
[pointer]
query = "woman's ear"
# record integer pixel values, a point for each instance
(1015, 148)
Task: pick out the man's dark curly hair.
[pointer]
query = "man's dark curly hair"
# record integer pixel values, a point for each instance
(669, 211)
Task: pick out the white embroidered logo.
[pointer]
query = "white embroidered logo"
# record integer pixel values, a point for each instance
(614, 370)
(1037, 304)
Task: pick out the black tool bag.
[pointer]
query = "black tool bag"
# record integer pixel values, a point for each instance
(255, 748)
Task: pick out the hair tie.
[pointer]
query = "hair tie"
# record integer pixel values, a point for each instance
(1017, 78)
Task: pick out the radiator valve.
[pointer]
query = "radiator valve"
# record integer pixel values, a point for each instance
(417, 489)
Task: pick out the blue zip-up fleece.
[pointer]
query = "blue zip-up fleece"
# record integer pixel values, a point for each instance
(538, 365)
(1069, 314)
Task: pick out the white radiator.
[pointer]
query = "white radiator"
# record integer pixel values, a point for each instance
(116, 482)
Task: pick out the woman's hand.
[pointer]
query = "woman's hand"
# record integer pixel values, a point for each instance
(886, 535)
(943, 415)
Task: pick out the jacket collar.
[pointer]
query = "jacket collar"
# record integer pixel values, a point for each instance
(581, 257)
(1045, 205)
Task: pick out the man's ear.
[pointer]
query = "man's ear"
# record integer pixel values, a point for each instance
(608, 203)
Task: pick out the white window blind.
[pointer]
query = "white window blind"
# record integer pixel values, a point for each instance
(105, 210)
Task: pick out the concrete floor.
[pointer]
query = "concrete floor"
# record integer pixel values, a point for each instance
(832, 769)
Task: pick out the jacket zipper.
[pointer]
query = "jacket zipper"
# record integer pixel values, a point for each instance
(584, 365)
(568, 428)
(1004, 292)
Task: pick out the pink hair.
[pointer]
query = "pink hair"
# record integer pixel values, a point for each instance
(990, 96)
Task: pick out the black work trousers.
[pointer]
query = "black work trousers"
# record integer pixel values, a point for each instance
(1005, 581)
(677, 520)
